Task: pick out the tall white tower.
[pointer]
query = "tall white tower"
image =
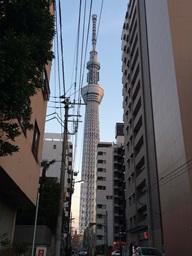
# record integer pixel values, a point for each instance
(92, 95)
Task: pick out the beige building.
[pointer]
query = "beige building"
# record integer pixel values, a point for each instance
(157, 78)
(52, 150)
(20, 172)
(110, 200)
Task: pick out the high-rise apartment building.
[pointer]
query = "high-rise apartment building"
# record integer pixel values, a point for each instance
(92, 96)
(110, 197)
(119, 186)
(104, 195)
(157, 78)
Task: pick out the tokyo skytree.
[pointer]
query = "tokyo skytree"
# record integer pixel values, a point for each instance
(92, 95)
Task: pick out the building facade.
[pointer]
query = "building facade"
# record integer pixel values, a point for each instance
(119, 203)
(20, 172)
(157, 90)
(52, 150)
(110, 200)
(104, 195)
(92, 95)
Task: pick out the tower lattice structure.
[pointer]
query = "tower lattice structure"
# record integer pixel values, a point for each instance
(92, 95)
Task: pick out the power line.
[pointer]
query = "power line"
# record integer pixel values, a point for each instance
(61, 42)
(81, 73)
(174, 174)
(82, 46)
(99, 18)
(88, 28)
(76, 71)
(58, 57)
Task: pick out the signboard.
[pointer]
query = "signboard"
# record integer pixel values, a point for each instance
(41, 251)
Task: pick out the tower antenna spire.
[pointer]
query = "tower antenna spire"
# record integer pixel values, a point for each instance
(94, 37)
(92, 95)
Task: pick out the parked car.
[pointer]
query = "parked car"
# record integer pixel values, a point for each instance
(116, 253)
(83, 252)
(147, 251)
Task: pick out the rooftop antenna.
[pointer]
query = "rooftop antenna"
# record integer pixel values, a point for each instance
(94, 39)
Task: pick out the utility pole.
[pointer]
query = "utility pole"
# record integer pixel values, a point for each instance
(69, 206)
(58, 237)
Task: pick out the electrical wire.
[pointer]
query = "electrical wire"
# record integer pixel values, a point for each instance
(77, 54)
(61, 42)
(96, 37)
(183, 168)
(176, 175)
(82, 45)
(60, 59)
(79, 90)
(76, 59)
(99, 19)
(86, 46)
(79, 96)
(56, 68)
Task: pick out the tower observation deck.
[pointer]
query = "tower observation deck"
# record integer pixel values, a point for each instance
(92, 95)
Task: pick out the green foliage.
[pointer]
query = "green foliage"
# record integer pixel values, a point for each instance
(20, 248)
(9, 249)
(45, 164)
(4, 240)
(27, 29)
(48, 207)
(49, 204)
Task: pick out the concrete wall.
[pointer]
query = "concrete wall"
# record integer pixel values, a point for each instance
(169, 38)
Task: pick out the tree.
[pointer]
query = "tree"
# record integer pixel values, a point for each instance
(27, 30)
(11, 249)
(45, 164)
(48, 202)
(48, 207)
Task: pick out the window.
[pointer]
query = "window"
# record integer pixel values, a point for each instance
(101, 187)
(101, 170)
(101, 206)
(142, 213)
(102, 161)
(99, 226)
(36, 137)
(101, 153)
(99, 216)
(101, 178)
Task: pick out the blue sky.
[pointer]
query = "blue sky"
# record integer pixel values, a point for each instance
(109, 56)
